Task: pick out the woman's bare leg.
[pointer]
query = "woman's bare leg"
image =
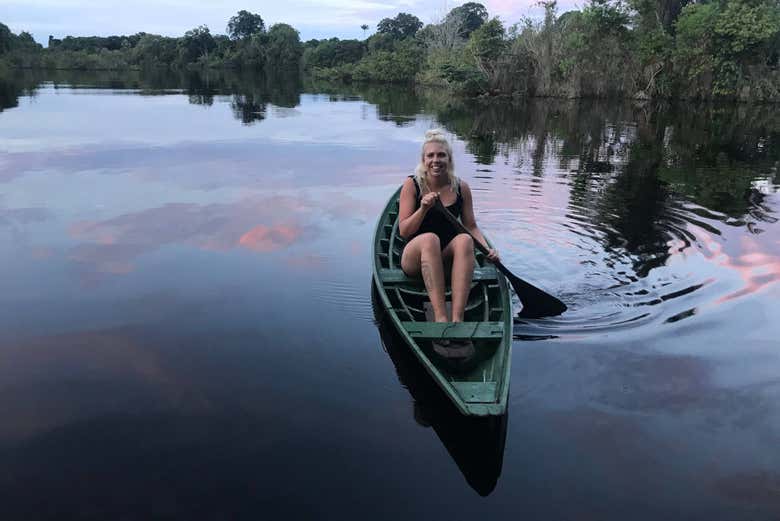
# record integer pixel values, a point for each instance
(422, 256)
(461, 251)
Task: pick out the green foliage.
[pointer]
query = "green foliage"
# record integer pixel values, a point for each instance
(22, 44)
(628, 48)
(487, 43)
(20, 51)
(333, 52)
(455, 70)
(695, 25)
(655, 45)
(397, 66)
(602, 18)
(245, 25)
(721, 46)
(196, 43)
(83, 60)
(25, 40)
(487, 46)
(604, 50)
(154, 50)
(657, 14)
(6, 39)
(95, 43)
(283, 48)
(380, 42)
(464, 78)
(250, 54)
(404, 25)
(469, 17)
(742, 28)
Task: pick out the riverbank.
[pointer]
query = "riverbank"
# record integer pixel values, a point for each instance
(724, 51)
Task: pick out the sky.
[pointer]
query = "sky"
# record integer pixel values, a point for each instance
(312, 18)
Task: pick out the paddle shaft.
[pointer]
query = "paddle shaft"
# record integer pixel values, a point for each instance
(537, 303)
(462, 229)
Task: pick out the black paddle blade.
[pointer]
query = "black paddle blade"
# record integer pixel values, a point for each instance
(536, 302)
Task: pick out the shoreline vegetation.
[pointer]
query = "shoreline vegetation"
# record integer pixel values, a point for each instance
(637, 49)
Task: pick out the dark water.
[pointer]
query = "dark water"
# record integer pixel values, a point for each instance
(186, 320)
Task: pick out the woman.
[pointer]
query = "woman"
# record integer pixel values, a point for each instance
(433, 243)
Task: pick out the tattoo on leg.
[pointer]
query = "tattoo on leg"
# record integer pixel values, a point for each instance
(425, 269)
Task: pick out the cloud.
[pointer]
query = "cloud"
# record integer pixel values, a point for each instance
(258, 224)
(263, 238)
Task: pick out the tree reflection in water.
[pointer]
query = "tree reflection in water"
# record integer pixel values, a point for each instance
(638, 176)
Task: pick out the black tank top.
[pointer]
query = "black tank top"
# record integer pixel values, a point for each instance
(435, 222)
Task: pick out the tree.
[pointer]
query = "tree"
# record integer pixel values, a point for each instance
(26, 40)
(284, 48)
(6, 38)
(719, 44)
(244, 25)
(399, 65)
(486, 45)
(333, 52)
(196, 43)
(154, 50)
(661, 14)
(380, 42)
(443, 36)
(402, 26)
(469, 16)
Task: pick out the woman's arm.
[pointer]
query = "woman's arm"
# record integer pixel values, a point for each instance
(470, 221)
(409, 218)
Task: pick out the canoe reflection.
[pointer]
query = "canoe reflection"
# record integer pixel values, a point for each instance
(475, 443)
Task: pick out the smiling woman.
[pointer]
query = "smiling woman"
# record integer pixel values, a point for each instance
(434, 245)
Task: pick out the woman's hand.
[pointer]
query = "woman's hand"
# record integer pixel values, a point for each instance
(428, 200)
(492, 255)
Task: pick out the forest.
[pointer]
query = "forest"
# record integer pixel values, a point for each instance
(640, 49)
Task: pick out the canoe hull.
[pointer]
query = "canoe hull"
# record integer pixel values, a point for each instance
(479, 386)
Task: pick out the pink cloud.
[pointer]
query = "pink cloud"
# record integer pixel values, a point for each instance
(265, 239)
(258, 224)
(751, 258)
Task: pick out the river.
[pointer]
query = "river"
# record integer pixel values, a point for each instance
(187, 329)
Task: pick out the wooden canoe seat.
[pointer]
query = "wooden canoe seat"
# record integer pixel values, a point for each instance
(436, 330)
(397, 276)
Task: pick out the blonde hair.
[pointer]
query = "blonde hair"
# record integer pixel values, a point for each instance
(435, 135)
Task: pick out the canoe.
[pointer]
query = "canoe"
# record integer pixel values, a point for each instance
(475, 443)
(480, 386)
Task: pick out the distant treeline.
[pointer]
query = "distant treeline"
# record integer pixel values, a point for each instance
(248, 45)
(725, 49)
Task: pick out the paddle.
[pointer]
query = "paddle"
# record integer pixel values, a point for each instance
(536, 303)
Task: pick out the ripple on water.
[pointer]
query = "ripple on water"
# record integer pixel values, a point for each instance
(619, 267)
(347, 296)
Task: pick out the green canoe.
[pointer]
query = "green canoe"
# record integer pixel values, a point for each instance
(478, 387)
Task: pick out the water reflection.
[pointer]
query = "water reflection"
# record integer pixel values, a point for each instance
(475, 444)
(184, 296)
(249, 92)
(629, 214)
(13, 86)
(602, 203)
